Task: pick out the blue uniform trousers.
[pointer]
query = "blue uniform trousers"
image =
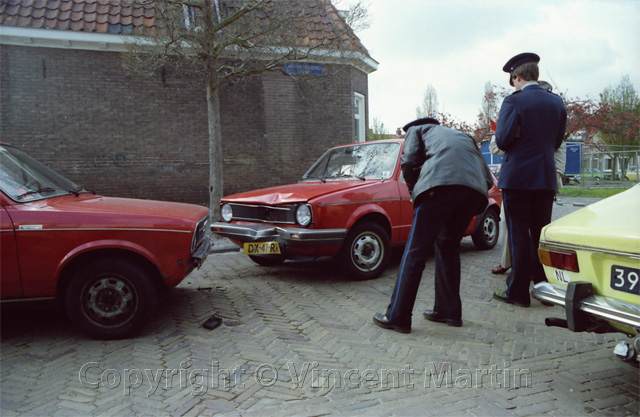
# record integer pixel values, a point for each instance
(441, 216)
(527, 212)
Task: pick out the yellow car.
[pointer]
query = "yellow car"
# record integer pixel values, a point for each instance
(592, 262)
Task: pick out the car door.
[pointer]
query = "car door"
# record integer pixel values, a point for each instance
(406, 209)
(9, 265)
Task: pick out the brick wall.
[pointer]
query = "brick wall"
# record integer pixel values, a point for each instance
(81, 114)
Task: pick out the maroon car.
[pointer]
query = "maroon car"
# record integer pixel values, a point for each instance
(353, 204)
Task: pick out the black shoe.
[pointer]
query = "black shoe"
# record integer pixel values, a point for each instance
(437, 317)
(382, 321)
(501, 296)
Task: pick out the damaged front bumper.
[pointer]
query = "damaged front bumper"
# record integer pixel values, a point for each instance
(202, 251)
(289, 236)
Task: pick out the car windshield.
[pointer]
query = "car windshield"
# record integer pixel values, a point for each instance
(22, 178)
(366, 161)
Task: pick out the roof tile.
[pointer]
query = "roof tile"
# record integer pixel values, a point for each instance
(65, 5)
(23, 21)
(90, 7)
(76, 25)
(37, 23)
(52, 14)
(38, 13)
(12, 9)
(66, 15)
(77, 7)
(25, 11)
(64, 24)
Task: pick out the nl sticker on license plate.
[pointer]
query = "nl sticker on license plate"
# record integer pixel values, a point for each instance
(261, 248)
(625, 279)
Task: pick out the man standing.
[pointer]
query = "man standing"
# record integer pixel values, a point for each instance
(531, 126)
(448, 180)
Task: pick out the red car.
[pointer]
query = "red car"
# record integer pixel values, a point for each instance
(352, 204)
(104, 258)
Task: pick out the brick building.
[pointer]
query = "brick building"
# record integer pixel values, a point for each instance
(66, 100)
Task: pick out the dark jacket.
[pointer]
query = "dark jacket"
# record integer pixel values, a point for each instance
(435, 155)
(529, 162)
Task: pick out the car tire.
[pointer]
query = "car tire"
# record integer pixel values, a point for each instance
(267, 261)
(366, 251)
(110, 299)
(488, 230)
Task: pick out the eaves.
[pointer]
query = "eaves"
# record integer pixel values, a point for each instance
(74, 40)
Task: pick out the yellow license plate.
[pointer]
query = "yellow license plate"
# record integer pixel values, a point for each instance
(261, 248)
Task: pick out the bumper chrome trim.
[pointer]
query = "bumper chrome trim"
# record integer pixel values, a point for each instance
(288, 235)
(203, 250)
(604, 308)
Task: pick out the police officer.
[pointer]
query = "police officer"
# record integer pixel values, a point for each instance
(448, 179)
(531, 127)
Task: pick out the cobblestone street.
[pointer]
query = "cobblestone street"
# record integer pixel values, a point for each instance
(298, 339)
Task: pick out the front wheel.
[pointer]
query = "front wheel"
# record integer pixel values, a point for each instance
(366, 251)
(110, 299)
(486, 234)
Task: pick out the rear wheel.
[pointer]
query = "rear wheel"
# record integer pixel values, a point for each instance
(486, 235)
(110, 298)
(366, 251)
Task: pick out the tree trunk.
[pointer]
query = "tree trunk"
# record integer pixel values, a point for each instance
(215, 140)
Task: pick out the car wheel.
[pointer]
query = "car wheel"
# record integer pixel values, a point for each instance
(366, 251)
(264, 261)
(486, 234)
(110, 299)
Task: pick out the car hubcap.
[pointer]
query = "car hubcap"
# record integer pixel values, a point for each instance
(110, 301)
(489, 229)
(367, 252)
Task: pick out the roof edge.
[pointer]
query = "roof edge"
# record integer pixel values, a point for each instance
(66, 39)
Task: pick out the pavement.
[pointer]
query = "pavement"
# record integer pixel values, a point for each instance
(298, 339)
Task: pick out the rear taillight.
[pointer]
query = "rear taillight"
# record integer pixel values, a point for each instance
(560, 259)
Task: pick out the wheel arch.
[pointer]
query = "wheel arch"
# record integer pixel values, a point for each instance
(374, 217)
(85, 258)
(491, 207)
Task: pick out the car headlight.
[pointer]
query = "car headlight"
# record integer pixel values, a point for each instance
(226, 212)
(303, 215)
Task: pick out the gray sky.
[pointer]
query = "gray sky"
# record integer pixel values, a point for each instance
(459, 45)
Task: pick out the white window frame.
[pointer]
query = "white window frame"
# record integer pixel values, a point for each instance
(359, 104)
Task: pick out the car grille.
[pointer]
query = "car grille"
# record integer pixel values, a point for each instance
(266, 214)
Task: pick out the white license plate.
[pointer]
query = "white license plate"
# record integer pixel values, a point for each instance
(625, 279)
(261, 248)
